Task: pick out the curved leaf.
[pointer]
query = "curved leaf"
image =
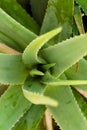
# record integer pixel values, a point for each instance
(66, 53)
(34, 91)
(13, 106)
(35, 72)
(12, 70)
(68, 114)
(30, 55)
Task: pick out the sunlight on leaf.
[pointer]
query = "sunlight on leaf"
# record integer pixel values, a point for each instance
(30, 54)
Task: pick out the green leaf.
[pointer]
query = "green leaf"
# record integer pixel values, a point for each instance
(30, 55)
(34, 91)
(12, 70)
(35, 115)
(78, 19)
(82, 3)
(81, 74)
(35, 72)
(59, 13)
(19, 14)
(74, 29)
(48, 79)
(13, 106)
(20, 36)
(65, 82)
(31, 119)
(81, 102)
(38, 8)
(41, 125)
(68, 114)
(10, 42)
(66, 53)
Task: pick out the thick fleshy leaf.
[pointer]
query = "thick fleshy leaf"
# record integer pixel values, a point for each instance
(48, 79)
(81, 74)
(68, 114)
(78, 19)
(30, 55)
(66, 53)
(66, 82)
(35, 72)
(31, 119)
(12, 70)
(56, 15)
(83, 4)
(38, 8)
(18, 13)
(13, 106)
(18, 34)
(34, 91)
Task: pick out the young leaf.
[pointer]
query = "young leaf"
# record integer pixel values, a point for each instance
(35, 72)
(34, 91)
(56, 15)
(12, 70)
(17, 33)
(66, 53)
(65, 82)
(68, 114)
(13, 106)
(19, 14)
(48, 79)
(30, 55)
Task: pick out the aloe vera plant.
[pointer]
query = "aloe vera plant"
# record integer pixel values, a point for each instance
(43, 64)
